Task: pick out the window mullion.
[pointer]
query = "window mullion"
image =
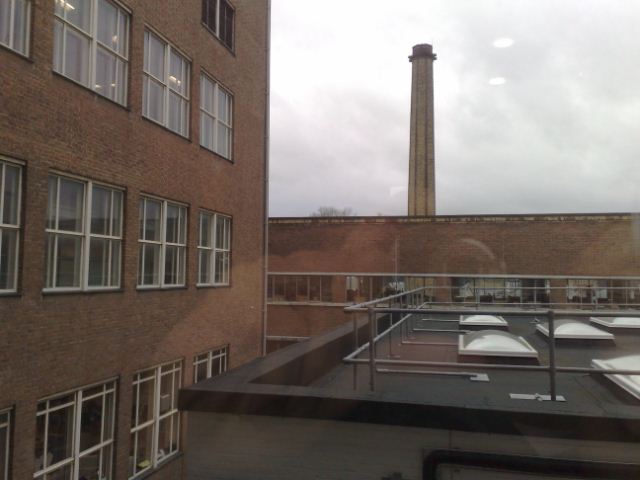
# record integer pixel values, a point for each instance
(156, 414)
(92, 38)
(215, 116)
(165, 81)
(12, 13)
(77, 418)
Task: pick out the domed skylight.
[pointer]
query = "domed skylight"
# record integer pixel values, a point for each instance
(631, 383)
(572, 329)
(617, 322)
(495, 343)
(483, 320)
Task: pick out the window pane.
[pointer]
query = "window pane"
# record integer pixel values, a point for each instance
(5, 19)
(178, 74)
(108, 24)
(116, 219)
(200, 372)
(164, 438)
(11, 195)
(143, 450)
(107, 81)
(153, 210)
(224, 106)
(60, 435)
(20, 20)
(150, 264)
(204, 266)
(153, 97)
(100, 210)
(174, 265)
(91, 423)
(166, 392)
(58, 32)
(172, 228)
(154, 55)
(98, 262)
(206, 99)
(175, 113)
(224, 141)
(205, 230)
(116, 246)
(76, 56)
(145, 400)
(107, 462)
(206, 131)
(69, 253)
(122, 42)
(89, 466)
(226, 23)
(8, 258)
(78, 12)
(70, 208)
(209, 11)
(4, 434)
(222, 267)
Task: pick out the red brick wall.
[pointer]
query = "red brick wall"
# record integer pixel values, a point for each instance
(52, 343)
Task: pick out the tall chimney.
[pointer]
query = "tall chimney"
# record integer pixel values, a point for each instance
(422, 185)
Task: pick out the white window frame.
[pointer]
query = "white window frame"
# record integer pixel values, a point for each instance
(163, 244)
(215, 147)
(214, 249)
(148, 76)
(109, 387)
(86, 236)
(92, 36)
(207, 358)
(8, 226)
(12, 27)
(156, 373)
(6, 424)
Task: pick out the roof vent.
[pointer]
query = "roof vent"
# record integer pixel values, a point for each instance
(483, 321)
(630, 383)
(574, 330)
(617, 322)
(495, 343)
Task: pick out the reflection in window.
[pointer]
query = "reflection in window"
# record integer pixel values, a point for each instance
(74, 434)
(155, 420)
(91, 45)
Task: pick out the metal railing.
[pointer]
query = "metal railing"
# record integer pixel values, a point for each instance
(413, 302)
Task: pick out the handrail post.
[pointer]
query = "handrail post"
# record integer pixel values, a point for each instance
(355, 343)
(552, 354)
(372, 349)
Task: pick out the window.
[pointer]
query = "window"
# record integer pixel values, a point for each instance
(163, 242)
(10, 193)
(300, 288)
(14, 24)
(215, 118)
(210, 364)
(91, 45)
(219, 15)
(74, 434)
(5, 432)
(84, 235)
(165, 96)
(214, 249)
(155, 420)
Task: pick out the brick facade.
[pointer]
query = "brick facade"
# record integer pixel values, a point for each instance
(51, 343)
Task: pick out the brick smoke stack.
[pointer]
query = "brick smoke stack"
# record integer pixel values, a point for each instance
(422, 185)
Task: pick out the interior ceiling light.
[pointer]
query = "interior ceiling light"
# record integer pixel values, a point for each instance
(497, 81)
(483, 320)
(617, 322)
(631, 383)
(574, 330)
(495, 343)
(504, 42)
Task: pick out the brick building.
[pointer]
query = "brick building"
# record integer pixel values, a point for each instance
(132, 196)
(319, 265)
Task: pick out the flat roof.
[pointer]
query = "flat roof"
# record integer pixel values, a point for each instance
(310, 380)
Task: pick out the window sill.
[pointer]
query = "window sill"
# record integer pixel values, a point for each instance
(215, 35)
(10, 294)
(213, 285)
(76, 291)
(217, 155)
(164, 127)
(3, 47)
(165, 461)
(157, 288)
(87, 89)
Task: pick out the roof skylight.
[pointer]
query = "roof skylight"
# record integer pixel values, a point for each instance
(495, 343)
(631, 383)
(617, 322)
(483, 320)
(572, 329)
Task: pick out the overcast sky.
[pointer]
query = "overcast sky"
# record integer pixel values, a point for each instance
(561, 134)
